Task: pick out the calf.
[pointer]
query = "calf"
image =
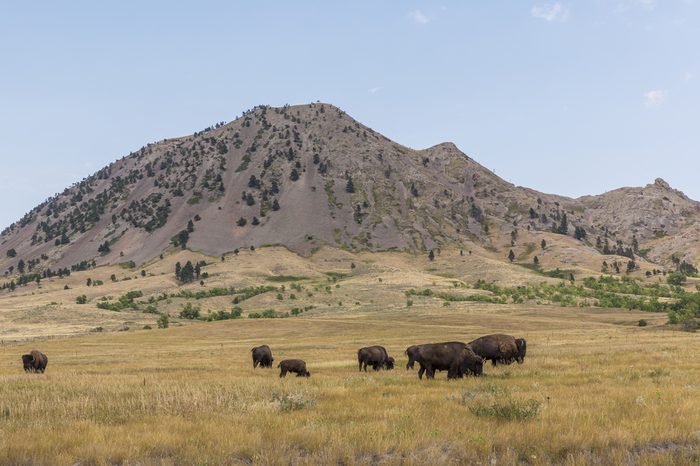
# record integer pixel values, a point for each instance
(293, 365)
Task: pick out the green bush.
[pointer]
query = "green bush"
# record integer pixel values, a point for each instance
(82, 299)
(163, 321)
(190, 312)
(511, 410)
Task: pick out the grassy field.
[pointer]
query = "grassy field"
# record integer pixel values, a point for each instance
(594, 389)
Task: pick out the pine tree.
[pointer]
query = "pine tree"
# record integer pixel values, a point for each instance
(511, 256)
(536, 261)
(563, 226)
(350, 186)
(431, 255)
(543, 244)
(187, 273)
(275, 205)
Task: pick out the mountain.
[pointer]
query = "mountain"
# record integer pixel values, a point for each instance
(309, 175)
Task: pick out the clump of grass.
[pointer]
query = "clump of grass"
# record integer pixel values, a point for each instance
(293, 401)
(489, 390)
(510, 410)
(658, 372)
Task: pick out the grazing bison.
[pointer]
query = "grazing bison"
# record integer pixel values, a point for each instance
(35, 361)
(455, 357)
(497, 348)
(522, 349)
(375, 356)
(262, 355)
(293, 365)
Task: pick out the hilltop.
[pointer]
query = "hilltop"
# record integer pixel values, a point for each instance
(308, 176)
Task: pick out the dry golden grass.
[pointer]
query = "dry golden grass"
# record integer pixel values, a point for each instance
(610, 393)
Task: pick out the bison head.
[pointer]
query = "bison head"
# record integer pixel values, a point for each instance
(471, 363)
(28, 362)
(306, 374)
(522, 349)
(389, 363)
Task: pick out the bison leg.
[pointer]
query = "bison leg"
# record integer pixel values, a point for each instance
(375, 366)
(283, 373)
(359, 363)
(255, 364)
(421, 371)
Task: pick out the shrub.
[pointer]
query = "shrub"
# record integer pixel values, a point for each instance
(642, 323)
(511, 410)
(293, 402)
(82, 299)
(676, 278)
(163, 321)
(190, 312)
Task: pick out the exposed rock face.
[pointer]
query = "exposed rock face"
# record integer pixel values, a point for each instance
(308, 175)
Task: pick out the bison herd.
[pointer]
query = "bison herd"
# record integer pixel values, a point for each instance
(457, 358)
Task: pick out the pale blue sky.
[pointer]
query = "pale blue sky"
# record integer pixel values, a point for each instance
(570, 97)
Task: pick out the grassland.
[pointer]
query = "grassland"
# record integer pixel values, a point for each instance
(595, 388)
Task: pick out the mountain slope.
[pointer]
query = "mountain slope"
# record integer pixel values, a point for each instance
(303, 176)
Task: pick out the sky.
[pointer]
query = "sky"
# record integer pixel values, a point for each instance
(568, 97)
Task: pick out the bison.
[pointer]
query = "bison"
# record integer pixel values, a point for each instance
(293, 365)
(375, 356)
(497, 348)
(522, 349)
(35, 361)
(455, 357)
(262, 355)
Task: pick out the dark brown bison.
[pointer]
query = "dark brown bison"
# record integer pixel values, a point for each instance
(497, 348)
(411, 352)
(35, 361)
(522, 349)
(293, 365)
(455, 357)
(262, 355)
(375, 356)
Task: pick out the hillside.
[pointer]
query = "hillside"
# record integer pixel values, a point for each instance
(309, 175)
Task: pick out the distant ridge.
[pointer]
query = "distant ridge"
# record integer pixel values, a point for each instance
(309, 175)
